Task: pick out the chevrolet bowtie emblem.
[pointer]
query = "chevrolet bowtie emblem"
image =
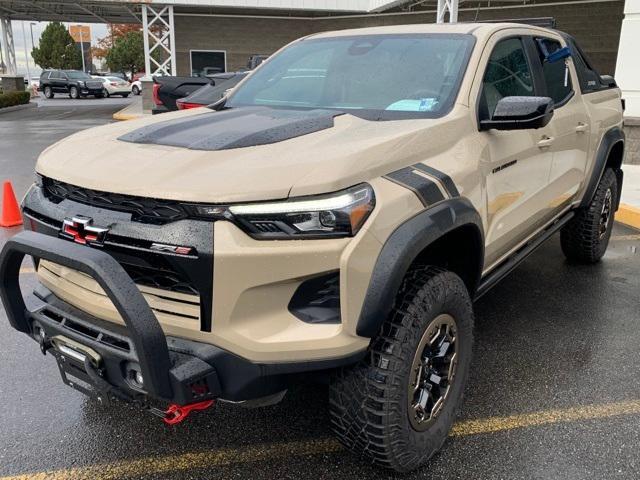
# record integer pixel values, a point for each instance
(80, 230)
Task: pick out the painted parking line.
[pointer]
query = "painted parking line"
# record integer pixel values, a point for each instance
(263, 452)
(624, 238)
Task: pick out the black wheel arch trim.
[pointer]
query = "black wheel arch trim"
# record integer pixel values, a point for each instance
(611, 138)
(402, 248)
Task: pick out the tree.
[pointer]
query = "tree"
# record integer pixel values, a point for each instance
(127, 53)
(57, 49)
(116, 30)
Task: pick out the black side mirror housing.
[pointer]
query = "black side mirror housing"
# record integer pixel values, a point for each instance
(608, 81)
(520, 113)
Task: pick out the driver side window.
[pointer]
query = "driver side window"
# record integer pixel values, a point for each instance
(507, 74)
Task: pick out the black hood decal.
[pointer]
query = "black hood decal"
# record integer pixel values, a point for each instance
(233, 128)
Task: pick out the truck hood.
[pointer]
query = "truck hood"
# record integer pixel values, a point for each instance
(199, 155)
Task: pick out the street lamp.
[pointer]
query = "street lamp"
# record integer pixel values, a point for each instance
(84, 69)
(33, 45)
(26, 55)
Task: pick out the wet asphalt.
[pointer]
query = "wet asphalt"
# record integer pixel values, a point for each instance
(551, 336)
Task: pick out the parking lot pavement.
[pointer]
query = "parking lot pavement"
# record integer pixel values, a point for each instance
(554, 391)
(61, 100)
(26, 133)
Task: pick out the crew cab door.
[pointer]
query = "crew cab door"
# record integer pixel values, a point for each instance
(570, 126)
(55, 80)
(515, 163)
(63, 82)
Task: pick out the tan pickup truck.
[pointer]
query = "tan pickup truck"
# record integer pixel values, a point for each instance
(332, 218)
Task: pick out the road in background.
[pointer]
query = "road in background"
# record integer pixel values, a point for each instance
(556, 361)
(62, 100)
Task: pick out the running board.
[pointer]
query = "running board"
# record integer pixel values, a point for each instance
(501, 271)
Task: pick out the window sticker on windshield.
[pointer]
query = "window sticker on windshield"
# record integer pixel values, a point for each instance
(412, 105)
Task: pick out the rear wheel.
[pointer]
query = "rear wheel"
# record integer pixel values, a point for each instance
(397, 405)
(74, 93)
(586, 237)
(48, 92)
(125, 95)
(106, 94)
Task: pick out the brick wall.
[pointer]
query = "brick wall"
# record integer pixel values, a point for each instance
(596, 26)
(632, 144)
(240, 37)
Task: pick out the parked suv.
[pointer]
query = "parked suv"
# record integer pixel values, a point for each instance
(333, 219)
(74, 83)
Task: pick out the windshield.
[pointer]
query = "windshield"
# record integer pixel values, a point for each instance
(78, 75)
(379, 76)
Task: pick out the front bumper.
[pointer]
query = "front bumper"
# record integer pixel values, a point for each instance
(172, 369)
(91, 91)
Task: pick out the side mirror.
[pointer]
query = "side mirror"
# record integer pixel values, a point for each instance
(520, 113)
(608, 81)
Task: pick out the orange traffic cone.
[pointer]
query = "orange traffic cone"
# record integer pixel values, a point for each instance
(10, 214)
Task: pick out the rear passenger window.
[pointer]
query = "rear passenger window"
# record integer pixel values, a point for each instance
(556, 74)
(589, 79)
(507, 74)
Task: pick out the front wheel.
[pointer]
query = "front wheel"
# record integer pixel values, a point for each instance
(586, 237)
(135, 90)
(397, 405)
(74, 93)
(48, 92)
(107, 94)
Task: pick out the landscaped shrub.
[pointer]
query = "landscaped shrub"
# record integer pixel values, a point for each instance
(14, 98)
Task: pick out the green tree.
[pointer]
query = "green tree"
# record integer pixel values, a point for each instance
(57, 49)
(127, 53)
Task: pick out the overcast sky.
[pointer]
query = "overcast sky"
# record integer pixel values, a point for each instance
(98, 30)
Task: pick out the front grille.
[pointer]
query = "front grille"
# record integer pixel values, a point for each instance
(164, 280)
(94, 85)
(163, 277)
(146, 210)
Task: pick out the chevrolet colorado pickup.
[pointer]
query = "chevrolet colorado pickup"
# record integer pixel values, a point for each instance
(333, 218)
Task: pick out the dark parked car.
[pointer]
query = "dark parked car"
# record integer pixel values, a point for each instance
(74, 83)
(211, 93)
(168, 89)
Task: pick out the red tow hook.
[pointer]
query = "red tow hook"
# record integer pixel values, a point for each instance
(178, 413)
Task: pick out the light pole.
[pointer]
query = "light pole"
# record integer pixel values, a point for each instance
(26, 55)
(84, 69)
(33, 45)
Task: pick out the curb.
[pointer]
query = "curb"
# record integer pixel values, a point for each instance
(15, 108)
(628, 215)
(123, 116)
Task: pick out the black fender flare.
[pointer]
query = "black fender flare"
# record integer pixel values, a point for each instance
(609, 139)
(402, 248)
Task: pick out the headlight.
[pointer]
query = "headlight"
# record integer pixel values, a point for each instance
(338, 214)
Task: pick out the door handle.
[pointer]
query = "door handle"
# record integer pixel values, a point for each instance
(545, 142)
(582, 127)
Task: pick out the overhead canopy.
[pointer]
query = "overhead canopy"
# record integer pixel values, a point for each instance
(128, 11)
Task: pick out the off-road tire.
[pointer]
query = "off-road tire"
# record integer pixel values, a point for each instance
(369, 401)
(135, 90)
(582, 239)
(48, 92)
(74, 93)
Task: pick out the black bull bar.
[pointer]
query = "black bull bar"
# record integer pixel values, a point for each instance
(167, 375)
